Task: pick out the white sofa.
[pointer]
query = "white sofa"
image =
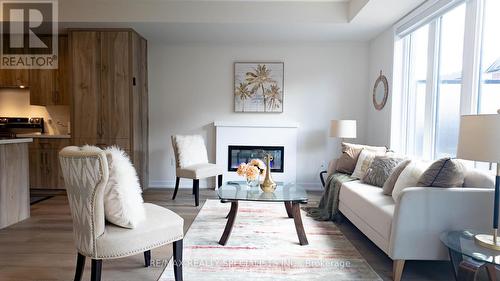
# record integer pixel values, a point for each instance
(410, 228)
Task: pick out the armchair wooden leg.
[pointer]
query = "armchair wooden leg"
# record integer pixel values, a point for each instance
(397, 269)
(196, 190)
(95, 274)
(177, 179)
(80, 265)
(147, 258)
(178, 260)
(219, 181)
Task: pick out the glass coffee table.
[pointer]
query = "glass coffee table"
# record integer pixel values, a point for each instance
(291, 195)
(467, 258)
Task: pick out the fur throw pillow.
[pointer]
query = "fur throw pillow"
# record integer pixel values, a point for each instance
(123, 203)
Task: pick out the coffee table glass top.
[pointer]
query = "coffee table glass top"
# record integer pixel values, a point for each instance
(239, 191)
(463, 242)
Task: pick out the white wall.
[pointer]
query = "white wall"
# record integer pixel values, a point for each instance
(381, 56)
(190, 86)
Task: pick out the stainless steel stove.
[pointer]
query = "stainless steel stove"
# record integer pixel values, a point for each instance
(11, 126)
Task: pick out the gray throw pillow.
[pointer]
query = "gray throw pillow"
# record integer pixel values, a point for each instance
(444, 172)
(393, 178)
(380, 169)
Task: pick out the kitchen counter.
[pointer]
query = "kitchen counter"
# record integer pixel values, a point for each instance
(43, 136)
(14, 141)
(14, 186)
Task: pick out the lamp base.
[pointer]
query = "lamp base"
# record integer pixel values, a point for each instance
(487, 241)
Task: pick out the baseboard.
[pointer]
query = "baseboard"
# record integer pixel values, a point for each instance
(186, 183)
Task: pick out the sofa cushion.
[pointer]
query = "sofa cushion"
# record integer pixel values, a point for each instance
(365, 159)
(479, 178)
(445, 172)
(380, 170)
(395, 173)
(409, 177)
(370, 204)
(350, 153)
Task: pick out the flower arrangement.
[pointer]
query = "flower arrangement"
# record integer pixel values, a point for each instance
(252, 170)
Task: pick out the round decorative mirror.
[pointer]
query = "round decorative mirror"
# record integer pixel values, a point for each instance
(380, 92)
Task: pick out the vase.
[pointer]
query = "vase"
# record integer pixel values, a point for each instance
(253, 183)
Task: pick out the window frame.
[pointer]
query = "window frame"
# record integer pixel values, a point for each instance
(471, 67)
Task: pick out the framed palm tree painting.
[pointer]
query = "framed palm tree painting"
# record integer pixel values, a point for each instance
(258, 87)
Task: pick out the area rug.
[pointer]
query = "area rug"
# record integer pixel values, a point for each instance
(264, 246)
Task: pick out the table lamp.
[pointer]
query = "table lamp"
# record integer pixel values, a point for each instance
(343, 129)
(479, 140)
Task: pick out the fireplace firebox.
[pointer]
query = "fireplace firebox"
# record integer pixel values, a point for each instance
(238, 154)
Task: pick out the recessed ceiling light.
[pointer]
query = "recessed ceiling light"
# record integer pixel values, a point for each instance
(22, 86)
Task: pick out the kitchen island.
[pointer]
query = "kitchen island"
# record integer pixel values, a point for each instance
(14, 181)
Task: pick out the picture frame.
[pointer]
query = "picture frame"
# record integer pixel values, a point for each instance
(258, 87)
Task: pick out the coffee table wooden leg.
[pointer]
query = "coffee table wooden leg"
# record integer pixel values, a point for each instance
(297, 219)
(229, 224)
(492, 272)
(288, 207)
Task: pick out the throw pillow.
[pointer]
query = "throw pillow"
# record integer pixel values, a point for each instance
(364, 161)
(479, 179)
(409, 177)
(380, 169)
(350, 154)
(393, 177)
(123, 203)
(191, 150)
(444, 172)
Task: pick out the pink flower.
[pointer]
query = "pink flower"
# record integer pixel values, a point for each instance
(242, 169)
(252, 172)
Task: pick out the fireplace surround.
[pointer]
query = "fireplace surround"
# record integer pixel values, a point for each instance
(249, 134)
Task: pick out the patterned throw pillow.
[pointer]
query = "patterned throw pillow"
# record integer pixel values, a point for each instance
(380, 170)
(444, 172)
(350, 154)
(364, 161)
(393, 177)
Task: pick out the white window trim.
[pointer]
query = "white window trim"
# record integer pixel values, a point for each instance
(425, 14)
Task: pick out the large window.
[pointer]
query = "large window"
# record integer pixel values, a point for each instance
(447, 64)
(450, 28)
(489, 75)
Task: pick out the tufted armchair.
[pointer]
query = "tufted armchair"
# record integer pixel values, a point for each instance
(85, 172)
(191, 162)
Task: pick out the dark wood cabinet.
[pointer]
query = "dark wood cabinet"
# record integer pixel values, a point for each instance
(45, 171)
(51, 86)
(109, 92)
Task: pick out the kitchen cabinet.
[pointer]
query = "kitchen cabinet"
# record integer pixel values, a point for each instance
(109, 91)
(51, 86)
(14, 78)
(45, 171)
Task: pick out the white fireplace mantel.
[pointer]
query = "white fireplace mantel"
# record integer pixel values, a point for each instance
(256, 125)
(258, 134)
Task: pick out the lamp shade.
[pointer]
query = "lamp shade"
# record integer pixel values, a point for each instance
(343, 129)
(479, 138)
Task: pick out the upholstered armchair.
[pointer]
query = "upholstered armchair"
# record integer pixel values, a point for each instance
(191, 162)
(86, 173)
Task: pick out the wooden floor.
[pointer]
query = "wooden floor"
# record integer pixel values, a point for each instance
(41, 248)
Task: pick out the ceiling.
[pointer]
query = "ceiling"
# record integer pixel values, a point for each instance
(240, 21)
